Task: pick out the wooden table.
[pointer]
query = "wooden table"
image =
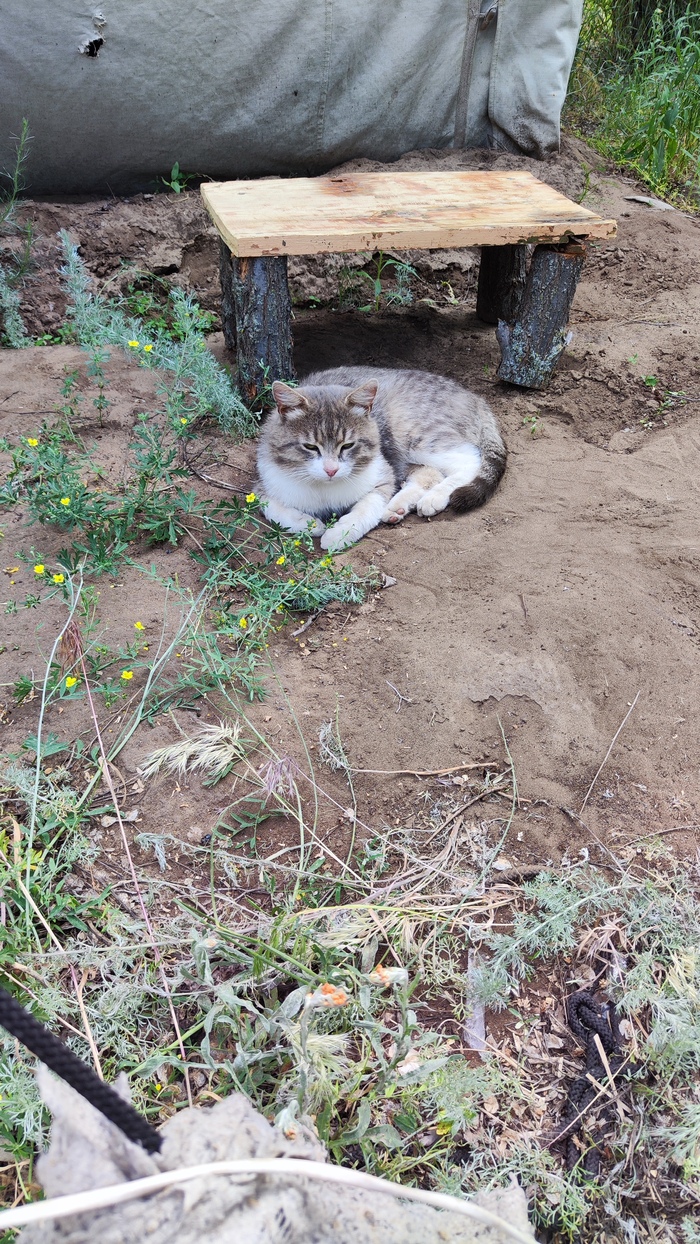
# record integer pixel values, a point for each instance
(505, 213)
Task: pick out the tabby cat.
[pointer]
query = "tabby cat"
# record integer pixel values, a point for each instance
(356, 446)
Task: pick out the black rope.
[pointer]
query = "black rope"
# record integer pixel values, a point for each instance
(59, 1058)
(587, 1019)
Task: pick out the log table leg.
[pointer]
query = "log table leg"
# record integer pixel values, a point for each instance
(502, 276)
(256, 310)
(532, 343)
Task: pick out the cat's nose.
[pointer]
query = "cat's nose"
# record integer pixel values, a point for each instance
(330, 470)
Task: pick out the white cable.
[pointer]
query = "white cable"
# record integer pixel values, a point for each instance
(101, 1198)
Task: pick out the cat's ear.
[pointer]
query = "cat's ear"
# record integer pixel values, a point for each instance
(362, 398)
(289, 401)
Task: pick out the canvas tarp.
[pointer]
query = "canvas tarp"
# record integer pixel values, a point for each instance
(116, 94)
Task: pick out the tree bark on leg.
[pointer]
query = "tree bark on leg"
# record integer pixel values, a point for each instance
(531, 345)
(502, 276)
(257, 316)
(228, 311)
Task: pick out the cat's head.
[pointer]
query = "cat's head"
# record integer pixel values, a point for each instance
(324, 432)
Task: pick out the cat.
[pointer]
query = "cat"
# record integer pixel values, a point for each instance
(364, 445)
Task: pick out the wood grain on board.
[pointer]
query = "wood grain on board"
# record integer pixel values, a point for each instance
(375, 211)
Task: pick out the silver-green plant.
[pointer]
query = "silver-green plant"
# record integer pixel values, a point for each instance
(14, 331)
(199, 385)
(13, 327)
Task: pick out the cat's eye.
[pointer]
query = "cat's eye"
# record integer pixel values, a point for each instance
(315, 448)
(349, 445)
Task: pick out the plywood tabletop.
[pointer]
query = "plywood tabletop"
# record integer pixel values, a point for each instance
(376, 211)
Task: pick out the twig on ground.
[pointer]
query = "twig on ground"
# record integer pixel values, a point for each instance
(657, 833)
(425, 773)
(604, 1060)
(607, 754)
(309, 621)
(209, 479)
(79, 987)
(602, 1090)
(403, 699)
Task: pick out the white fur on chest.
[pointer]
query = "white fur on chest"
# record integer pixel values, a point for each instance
(319, 497)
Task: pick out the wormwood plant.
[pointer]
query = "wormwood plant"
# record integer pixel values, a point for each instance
(16, 262)
(193, 384)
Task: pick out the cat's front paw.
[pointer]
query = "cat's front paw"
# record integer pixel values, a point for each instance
(340, 537)
(292, 520)
(394, 513)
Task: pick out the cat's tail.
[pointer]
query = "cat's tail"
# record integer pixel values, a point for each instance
(494, 456)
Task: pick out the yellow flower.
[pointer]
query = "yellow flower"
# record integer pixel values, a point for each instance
(251, 497)
(281, 561)
(138, 626)
(327, 561)
(183, 421)
(71, 681)
(291, 582)
(297, 543)
(134, 344)
(32, 440)
(59, 578)
(65, 500)
(147, 349)
(127, 674)
(39, 568)
(243, 623)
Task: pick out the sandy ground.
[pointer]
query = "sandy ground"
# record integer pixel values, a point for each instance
(540, 619)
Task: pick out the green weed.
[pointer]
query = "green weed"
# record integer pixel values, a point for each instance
(178, 181)
(635, 90)
(351, 284)
(148, 298)
(534, 423)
